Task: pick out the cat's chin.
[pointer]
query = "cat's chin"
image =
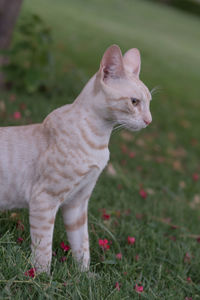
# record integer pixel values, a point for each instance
(136, 129)
(130, 128)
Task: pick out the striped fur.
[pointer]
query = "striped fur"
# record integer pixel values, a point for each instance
(56, 164)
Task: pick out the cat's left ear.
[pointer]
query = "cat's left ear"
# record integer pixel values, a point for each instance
(132, 61)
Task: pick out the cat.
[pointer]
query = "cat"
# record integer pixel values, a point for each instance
(56, 164)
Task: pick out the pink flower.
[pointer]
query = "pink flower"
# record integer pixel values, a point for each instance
(124, 148)
(20, 240)
(137, 257)
(139, 288)
(131, 240)
(17, 115)
(195, 176)
(104, 244)
(63, 258)
(131, 154)
(30, 273)
(142, 193)
(189, 279)
(64, 247)
(119, 256)
(20, 225)
(187, 257)
(117, 286)
(105, 216)
(198, 240)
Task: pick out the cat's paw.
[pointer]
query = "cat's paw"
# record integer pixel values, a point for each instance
(93, 275)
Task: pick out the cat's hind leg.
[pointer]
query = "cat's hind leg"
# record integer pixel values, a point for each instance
(75, 217)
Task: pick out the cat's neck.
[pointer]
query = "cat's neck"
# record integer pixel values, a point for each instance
(90, 106)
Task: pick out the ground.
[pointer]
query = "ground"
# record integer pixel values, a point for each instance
(151, 190)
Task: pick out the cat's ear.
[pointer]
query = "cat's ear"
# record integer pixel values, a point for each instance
(111, 66)
(132, 61)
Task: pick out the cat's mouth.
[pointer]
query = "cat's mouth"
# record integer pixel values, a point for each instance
(136, 127)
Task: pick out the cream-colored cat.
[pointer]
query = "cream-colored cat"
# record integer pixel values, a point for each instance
(56, 164)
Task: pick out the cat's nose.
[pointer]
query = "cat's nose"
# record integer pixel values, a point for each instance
(147, 121)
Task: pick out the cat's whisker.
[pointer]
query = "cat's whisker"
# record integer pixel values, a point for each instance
(155, 90)
(119, 127)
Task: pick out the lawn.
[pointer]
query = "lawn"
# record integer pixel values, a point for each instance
(154, 195)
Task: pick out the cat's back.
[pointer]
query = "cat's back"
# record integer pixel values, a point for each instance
(20, 150)
(19, 143)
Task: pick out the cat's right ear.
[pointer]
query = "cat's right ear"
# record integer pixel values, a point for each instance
(111, 66)
(132, 61)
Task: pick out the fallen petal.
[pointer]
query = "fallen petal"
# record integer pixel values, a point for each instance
(139, 288)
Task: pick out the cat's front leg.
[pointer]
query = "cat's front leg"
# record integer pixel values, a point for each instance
(42, 213)
(75, 217)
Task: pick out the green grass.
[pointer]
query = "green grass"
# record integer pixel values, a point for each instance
(166, 156)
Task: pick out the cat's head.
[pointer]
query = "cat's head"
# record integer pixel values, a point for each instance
(127, 98)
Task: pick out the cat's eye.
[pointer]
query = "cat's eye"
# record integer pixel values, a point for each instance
(135, 101)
